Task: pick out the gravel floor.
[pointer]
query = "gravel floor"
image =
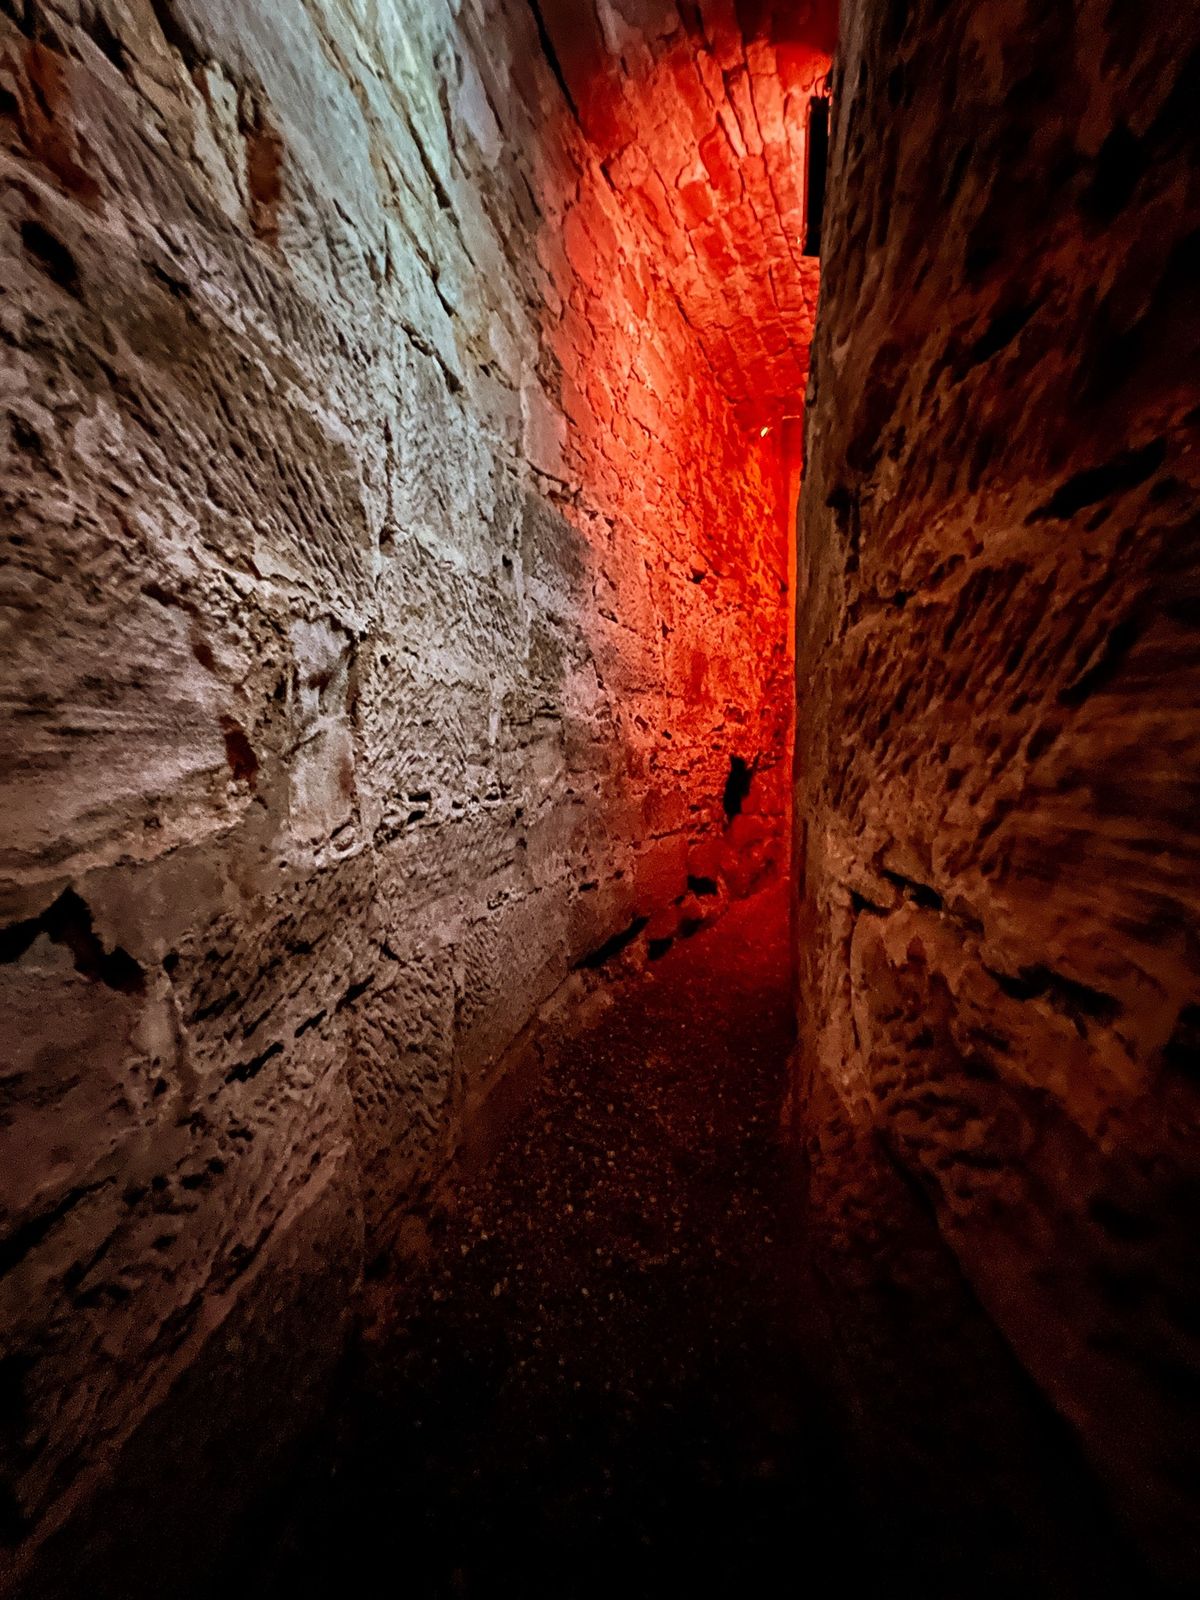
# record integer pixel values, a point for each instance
(600, 1380)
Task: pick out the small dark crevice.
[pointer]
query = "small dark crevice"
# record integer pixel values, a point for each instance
(737, 786)
(1040, 741)
(1120, 166)
(613, 947)
(859, 903)
(239, 752)
(839, 500)
(68, 922)
(1121, 1224)
(245, 1070)
(418, 341)
(102, 36)
(14, 1247)
(551, 55)
(52, 255)
(203, 651)
(163, 597)
(816, 172)
(20, 14)
(176, 33)
(14, 1524)
(1123, 473)
(26, 438)
(999, 333)
(1181, 1053)
(215, 1008)
(176, 287)
(202, 1179)
(1078, 1000)
(15, 1369)
(702, 886)
(309, 1022)
(844, 505)
(659, 947)
(378, 1266)
(353, 993)
(920, 894)
(1102, 671)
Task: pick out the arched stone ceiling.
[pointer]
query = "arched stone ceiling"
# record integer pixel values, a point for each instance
(698, 114)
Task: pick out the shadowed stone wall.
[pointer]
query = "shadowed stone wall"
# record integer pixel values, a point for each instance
(999, 763)
(392, 594)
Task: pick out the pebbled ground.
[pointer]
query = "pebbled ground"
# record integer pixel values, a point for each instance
(599, 1379)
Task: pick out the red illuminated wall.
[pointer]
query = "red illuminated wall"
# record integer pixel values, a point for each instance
(677, 342)
(696, 116)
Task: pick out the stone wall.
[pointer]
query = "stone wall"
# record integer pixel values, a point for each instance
(698, 116)
(395, 621)
(1000, 761)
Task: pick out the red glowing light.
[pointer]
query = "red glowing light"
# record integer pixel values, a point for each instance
(687, 310)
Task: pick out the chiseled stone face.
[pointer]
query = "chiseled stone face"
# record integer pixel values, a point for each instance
(1000, 724)
(393, 578)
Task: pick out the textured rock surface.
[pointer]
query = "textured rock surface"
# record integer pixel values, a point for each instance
(394, 608)
(698, 113)
(1000, 762)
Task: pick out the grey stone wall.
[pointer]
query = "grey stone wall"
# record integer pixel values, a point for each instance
(365, 679)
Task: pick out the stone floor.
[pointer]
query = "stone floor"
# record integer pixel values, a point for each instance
(601, 1380)
(606, 1378)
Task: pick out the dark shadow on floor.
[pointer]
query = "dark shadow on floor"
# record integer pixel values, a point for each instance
(607, 1379)
(600, 1381)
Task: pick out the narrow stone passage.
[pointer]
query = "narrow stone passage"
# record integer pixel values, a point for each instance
(601, 1379)
(485, 485)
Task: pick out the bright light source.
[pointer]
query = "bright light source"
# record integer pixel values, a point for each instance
(764, 433)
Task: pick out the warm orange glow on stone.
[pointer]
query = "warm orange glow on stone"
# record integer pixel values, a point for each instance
(699, 131)
(681, 344)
